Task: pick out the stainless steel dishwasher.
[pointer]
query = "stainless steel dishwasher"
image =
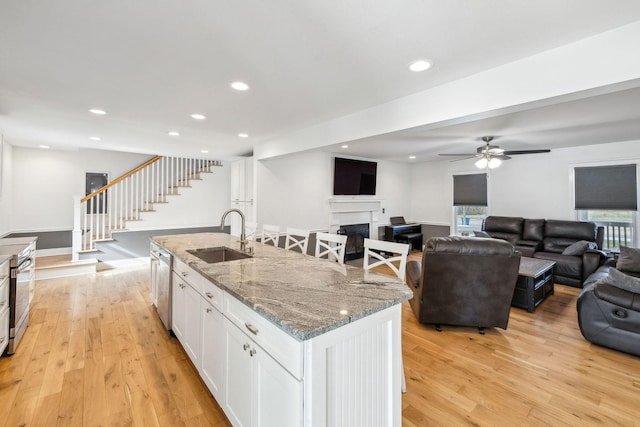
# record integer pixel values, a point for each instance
(161, 283)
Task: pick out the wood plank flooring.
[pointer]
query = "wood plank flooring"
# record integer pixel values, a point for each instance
(95, 354)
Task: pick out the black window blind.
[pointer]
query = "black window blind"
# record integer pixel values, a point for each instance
(606, 187)
(470, 190)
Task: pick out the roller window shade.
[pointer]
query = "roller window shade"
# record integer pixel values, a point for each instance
(606, 187)
(470, 190)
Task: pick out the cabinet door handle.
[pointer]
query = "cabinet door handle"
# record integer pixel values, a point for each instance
(184, 274)
(252, 352)
(251, 328)
(209, 295)
(208, 310)
(245, 347)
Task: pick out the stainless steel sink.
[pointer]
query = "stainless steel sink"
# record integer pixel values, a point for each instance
(218, 254)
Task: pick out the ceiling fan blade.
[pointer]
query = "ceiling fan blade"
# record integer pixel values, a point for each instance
(501, 157)
(515, 152)
(469, 156)
(459, 155)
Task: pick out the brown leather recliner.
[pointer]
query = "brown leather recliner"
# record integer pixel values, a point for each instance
(464, 281)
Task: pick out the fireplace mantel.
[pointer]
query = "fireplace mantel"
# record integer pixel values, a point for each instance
(354, 205)
(345, 211)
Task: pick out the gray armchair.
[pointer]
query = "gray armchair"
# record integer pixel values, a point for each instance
(464, 281)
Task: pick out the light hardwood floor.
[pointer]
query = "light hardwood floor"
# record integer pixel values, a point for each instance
(95, 353)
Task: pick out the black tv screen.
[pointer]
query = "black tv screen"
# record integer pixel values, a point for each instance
(354, 177)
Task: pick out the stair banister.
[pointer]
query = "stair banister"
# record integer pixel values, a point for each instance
(124, 198)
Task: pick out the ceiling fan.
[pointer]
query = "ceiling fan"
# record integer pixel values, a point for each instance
(492, 155)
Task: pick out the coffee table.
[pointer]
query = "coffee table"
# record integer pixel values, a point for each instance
(535, 283)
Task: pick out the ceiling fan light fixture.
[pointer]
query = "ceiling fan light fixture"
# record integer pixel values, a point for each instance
(482, 163)
(494, 163)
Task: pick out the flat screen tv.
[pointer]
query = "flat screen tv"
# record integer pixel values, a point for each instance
(354, 177)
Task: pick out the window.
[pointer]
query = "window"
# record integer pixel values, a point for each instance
(607, 195)
(469, 203)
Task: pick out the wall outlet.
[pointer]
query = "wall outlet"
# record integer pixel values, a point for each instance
(382, 210)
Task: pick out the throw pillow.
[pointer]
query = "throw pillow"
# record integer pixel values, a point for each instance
(579, 247)
(482, 234)
(623, 281)
(629, 259)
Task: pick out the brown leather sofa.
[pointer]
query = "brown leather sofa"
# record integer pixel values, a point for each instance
(464, 281)
(609, 315)
(548, 239)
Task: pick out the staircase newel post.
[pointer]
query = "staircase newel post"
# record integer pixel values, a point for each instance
(76, 238)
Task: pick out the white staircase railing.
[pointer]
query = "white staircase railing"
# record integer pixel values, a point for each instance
(125, 198)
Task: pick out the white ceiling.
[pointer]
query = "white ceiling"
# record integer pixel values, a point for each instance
(152, 63)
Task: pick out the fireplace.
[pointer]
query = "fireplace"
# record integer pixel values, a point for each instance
(356, 233)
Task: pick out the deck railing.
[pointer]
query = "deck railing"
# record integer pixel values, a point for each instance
(616, 234)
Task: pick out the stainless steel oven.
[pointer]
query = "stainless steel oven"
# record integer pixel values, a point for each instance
(21, 283)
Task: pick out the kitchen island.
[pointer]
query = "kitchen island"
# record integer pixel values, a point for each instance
(283, 338)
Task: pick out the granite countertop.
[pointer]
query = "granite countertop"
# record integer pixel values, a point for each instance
(301, 294)
(27, 240)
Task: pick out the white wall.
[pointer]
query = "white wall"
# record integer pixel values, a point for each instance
(45, 181)
(431, 192)
(6, 188)
(532, 186)
(201, 205)
(294, 190)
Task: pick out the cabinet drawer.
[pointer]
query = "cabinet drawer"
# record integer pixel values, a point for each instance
(187, 274)
(212, 294)
(285, 349)
(4, 329)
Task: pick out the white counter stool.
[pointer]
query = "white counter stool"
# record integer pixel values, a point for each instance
(399, 253)
(251, 230)
(297, 238)
(270, 234)
(331, 245)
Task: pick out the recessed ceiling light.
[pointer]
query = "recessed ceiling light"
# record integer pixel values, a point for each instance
(46, 147)
(243, 135)
(97, 112)
(198, 116)
(240, 86)
(412, 157)
(173, 133)
(344, 146)
(94, 138)
(204, 151)
(420, 65)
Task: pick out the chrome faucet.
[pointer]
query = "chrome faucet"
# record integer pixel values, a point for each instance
(243, 236)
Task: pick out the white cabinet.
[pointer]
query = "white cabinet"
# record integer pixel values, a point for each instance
(237, 393)
(242, 196)
(213, 348)
(4, 306)
(178, 307)
(258, 390)
(193, 326)
(185, 318)
(242, 180)
(197, 323)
